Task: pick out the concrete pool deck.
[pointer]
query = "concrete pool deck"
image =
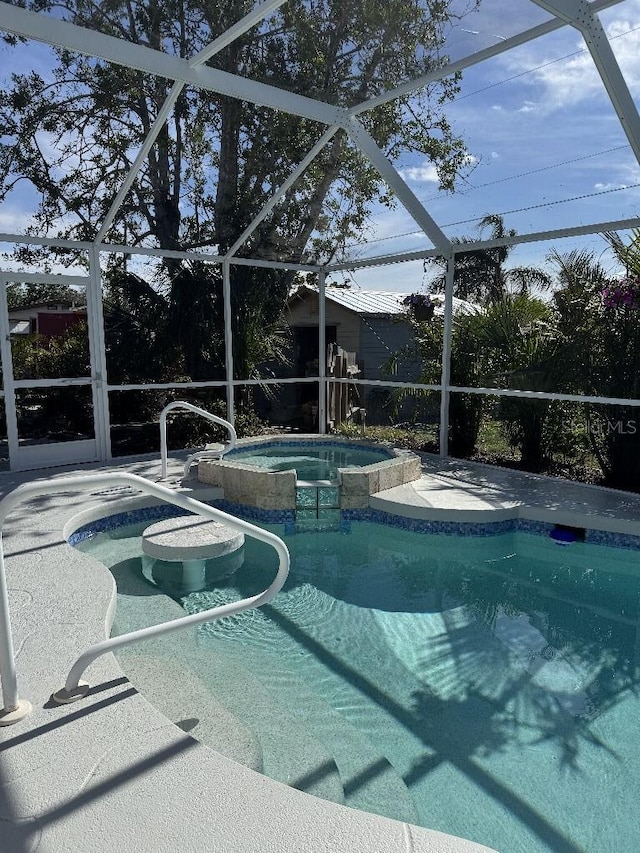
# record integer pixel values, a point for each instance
(464, 491)
(111, 772)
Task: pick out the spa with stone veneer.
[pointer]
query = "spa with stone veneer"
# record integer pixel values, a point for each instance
(263, 487)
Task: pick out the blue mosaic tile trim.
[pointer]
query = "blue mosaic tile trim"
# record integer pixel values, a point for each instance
(453, 528)
(122, 519)
(613, 540)
(270, 445)
(253, 513)
(287, 518)
(419, 525)
(162, 511)
(542, 528)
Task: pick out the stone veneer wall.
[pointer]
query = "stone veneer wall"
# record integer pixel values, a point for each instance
(250, 485)
(358, 484)
(253, 486)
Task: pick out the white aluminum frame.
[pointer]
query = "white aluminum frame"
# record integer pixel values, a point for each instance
(82, 450)
(193, 72)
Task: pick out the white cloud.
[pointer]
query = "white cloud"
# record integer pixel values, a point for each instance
(14, 221)
(561, 83)
(426, 173)
(604, 187)
(623, 176)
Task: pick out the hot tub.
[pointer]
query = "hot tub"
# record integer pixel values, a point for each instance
(265, 471)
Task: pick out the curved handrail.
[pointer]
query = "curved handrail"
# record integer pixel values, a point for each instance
(71, 689)
(179, 404)
(202, 455)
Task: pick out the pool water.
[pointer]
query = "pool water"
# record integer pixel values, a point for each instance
(310, 461)
(488, 685)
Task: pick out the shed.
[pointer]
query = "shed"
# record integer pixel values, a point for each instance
(370, 323)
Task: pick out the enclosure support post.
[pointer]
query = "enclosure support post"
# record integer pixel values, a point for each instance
(100, 393)
(10, 410)
(445, 381)
(322, 354)
(228, 340)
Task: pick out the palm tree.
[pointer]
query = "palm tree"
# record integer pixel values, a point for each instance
(627, 253)
(480, 274)
(522, 350)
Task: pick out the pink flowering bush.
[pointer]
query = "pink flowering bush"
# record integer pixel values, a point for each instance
(622, 294)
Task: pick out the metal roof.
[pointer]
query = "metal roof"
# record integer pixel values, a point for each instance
(384, 303)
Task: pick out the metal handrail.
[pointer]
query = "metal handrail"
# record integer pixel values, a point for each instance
(15, 709)
(179, 404)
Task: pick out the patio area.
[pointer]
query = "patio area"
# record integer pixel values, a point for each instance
(111, 771)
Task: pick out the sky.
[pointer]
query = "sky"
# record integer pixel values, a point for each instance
(540, 131)
(546, 150)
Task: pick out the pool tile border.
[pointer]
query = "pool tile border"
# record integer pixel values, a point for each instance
(613, 540)
(162, 511)
(151, 514)
(453, 528)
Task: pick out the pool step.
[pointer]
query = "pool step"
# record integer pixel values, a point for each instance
(298, 731)
(236, 717)
(176, 691)
(370, 782)
(291, 753)
(262, 735)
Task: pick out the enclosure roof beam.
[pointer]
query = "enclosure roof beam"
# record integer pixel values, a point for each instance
(458, 249)
(379, 260)
(286, 186)
(580, 14)
(49, 30)
(405, 195)
(473, 59)
(143, 251)
(234, 32)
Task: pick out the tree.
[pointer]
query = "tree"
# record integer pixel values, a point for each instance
(217, 159)
(627, 253)
(521, 350)
(480, 274)
(603, 344)
(511, 342)
(423, 355)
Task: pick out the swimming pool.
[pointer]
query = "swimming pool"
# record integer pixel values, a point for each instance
(483, 686)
